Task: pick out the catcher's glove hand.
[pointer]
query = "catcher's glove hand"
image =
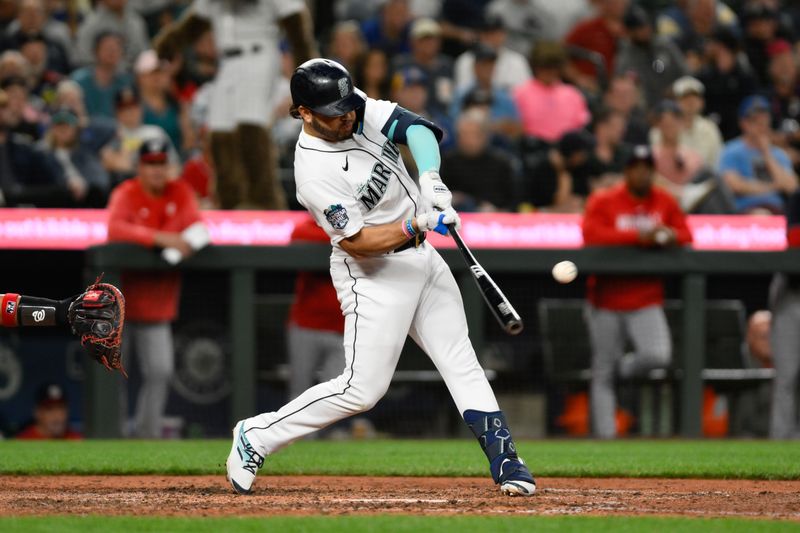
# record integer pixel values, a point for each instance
(97, 316)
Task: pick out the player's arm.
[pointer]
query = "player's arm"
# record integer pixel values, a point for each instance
(377, 240)
(422, 138)
(178, 34)
(20, 310)
(299, 31)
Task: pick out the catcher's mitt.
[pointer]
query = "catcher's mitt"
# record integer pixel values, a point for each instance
(97, 316)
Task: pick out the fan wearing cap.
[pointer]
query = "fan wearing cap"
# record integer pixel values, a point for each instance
(152, 210)
(87, 179)
(410, 90)
(632, 213)
(425, 54)
(654, 59)
(504, 118)
(697, 132)
(510, 68)
(244, 94)
(121, 156)
(50, 416)
(726, 79)
(759, 173)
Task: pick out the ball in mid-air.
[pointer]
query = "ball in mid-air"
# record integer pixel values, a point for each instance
(565, 271)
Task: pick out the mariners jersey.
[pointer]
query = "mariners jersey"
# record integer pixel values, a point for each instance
(355, 183)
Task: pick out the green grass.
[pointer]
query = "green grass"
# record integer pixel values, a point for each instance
(384, 524)
(635, 458)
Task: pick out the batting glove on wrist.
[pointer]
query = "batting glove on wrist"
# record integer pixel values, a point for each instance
(438, 220)
(434, 192)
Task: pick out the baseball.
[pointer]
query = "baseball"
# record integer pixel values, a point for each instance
(565, 271)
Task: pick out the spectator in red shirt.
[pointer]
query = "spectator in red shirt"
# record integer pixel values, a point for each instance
(598, 34)
(152, 211)
(316, 323)
(621, 308)
(50, 417)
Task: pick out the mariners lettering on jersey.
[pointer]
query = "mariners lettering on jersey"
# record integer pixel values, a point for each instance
(391, 151)
(371, 192)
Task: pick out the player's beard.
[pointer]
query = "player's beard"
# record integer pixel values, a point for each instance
(329, 134)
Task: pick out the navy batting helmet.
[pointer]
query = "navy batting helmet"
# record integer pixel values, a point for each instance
(324, 87)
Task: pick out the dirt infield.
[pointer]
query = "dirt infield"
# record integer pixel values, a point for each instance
(301, 495)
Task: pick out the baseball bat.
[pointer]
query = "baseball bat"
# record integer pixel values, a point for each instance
(501, 308)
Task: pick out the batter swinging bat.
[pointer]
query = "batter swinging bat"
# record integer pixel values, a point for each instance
(502, 309)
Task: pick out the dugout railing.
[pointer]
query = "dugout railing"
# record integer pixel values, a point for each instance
(242, 263)
(566, 352)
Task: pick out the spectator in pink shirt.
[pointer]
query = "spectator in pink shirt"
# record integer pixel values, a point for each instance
(548, 107)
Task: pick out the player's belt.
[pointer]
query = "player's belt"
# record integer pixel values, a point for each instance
(238, 50)
(411, 243)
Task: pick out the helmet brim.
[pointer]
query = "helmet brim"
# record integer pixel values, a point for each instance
(341, 107)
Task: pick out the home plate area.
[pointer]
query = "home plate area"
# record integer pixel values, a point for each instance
(324, 495)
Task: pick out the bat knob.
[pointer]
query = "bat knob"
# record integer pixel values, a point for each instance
(514, 327)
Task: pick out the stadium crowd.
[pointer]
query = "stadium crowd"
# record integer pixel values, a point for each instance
(541, 101)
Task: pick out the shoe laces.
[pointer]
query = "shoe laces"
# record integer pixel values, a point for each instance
(254, 460)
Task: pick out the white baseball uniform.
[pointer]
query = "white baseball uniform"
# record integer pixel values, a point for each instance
(246, 34)
(347, 186)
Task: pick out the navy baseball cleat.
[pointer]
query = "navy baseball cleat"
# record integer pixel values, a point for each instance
(507, 468)
(243, 462)
(515, 478)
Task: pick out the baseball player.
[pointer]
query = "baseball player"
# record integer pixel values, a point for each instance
(243, 94)
(631, 213)
(390, 282)
(785, 337)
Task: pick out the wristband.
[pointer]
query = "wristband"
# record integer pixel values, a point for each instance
(8, 310)
(408, 228)
(404, 229)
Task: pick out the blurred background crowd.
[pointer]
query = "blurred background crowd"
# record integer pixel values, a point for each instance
(540, 101)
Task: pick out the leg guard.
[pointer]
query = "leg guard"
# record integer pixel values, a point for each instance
(493, 434)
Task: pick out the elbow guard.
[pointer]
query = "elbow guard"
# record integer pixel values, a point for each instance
(399, 122)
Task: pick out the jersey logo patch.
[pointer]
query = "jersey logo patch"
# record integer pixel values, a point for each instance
(337, 216)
